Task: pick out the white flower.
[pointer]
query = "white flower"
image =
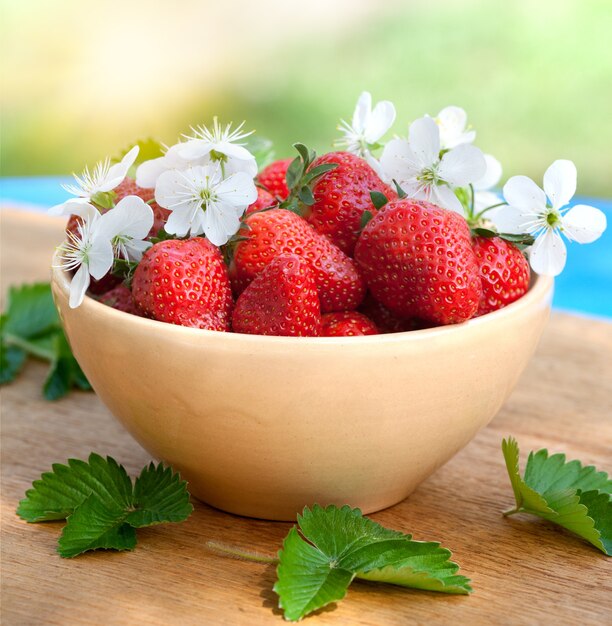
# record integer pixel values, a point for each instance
(483, 196)
(367, 128)
(104, 178)
(545, 214)
(452, 122)
(202, 201)
(126, 226)
(89, 250)
(217, 145)
(417, 167)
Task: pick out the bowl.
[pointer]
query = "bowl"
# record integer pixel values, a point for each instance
(262, 426)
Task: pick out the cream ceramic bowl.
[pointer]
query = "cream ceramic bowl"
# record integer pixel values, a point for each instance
(262, 426)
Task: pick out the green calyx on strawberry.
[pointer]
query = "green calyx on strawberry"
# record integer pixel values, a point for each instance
(301, 175)
(281, 300)
(184, 282)
(417, 260)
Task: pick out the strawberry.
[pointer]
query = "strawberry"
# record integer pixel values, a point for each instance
(273, 178)
(417, 260)
(504, 273)
(385, 321)
(264, 200)
(184, 282)
(120, 298)
(277, 231)
(341, 196)
(281, 300)
(347, 324)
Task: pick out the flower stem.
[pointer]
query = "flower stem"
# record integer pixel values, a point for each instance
(239, 553)
(513, 511)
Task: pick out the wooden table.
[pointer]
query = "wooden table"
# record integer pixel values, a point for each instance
(524, 571)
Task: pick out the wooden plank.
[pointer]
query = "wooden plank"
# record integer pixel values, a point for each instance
(524, 571)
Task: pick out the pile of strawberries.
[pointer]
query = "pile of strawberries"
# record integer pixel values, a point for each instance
(338, 265)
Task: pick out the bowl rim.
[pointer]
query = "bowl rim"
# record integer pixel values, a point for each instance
(539, 289)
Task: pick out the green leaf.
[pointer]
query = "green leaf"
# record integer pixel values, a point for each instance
(484, 232)
(316, 172)
(304, 153)
(524, 239)
(306, 579)
(12, 357)
(400, 192)
(305, 195)
(31, 326)
(366, 216)
(149, 149)
(261, 148)
(295, 172)
(159, 496)
(30, 311)
(569, 494)
(339, 544)
(100, 504)
(378, 199)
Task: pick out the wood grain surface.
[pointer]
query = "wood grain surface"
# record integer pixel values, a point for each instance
(524, 571)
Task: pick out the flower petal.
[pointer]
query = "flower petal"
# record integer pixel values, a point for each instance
(510, 219)
(523, 193)
(148, 172)
(399, 162)
(132, 217)
(445, 197)
(221, 221)
(548, 254)
(78, 287)
(380, 121)
(100, 256)
(424, 140)
(75, 206)
(485, 199)
(452, 121)
(462, 165)
(169, 185)
(118, 172)
(560, 182)
(239, 190)
(194, 149)
(584, 223)
(491, 176)
(363, 109)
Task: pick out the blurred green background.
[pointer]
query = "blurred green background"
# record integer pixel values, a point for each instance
(83, 79)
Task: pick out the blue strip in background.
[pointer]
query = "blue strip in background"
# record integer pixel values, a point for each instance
(585, 286)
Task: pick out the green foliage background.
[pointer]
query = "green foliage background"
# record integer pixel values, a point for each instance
(535, 78)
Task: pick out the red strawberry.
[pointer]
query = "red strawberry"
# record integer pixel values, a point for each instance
(273, 178)
(417, 260)
(504, 272)
(120, 298)
(341, 196)
(278, 231)
(264, 200)
(385, 321)
(184, 282)
(347, 324)
(281, 300)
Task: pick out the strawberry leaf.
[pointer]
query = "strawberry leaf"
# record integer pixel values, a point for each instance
(100, 504)
(31, 326)
(335, 545)
(569, 494)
